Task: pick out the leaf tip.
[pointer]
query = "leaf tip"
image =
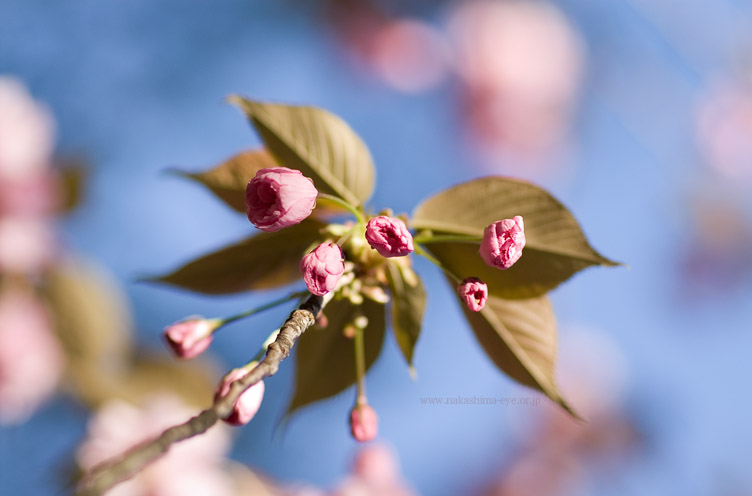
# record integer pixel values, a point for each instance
(413, 372)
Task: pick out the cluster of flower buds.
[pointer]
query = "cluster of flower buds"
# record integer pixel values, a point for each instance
(279, 197)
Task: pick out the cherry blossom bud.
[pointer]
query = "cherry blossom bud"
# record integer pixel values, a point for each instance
(247, 404)
(474, 293)
(364, 423)
(502, 242)
(389, 236)
(279, 197)
(322, 268)
(190, 337)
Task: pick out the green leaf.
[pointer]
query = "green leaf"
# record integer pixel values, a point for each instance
(317, 143)
(407, 306)
(520, 338)
(263, 261)
(325, 358)
(229, 179)
(556, 247)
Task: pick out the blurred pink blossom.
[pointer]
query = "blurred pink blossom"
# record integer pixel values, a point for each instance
(410, 55)
(190, 337)
(31, 360)
(521, 67)
(27, 244)
(26, 132)
(191, 468)
(724, 129)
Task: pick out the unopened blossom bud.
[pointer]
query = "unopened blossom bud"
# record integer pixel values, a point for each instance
(389, 236)
(190, 337)
(247, 404)
(322, 268)
(474, 293)
(364, 423)
(502, 242)
(279, 197)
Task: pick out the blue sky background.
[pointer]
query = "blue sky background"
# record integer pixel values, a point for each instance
(139, 86)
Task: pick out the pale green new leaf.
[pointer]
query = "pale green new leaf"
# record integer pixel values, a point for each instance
(317, 143)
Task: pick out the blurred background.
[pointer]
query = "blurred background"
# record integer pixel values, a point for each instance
(636, 114)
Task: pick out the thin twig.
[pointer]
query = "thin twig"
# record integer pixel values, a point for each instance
(106, 475)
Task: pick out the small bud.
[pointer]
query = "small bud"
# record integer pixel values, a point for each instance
(364, 423)
(322, 268)
(502, 242)
(190, 337)
(389, 236)
(474, 292)
(249, 402)
(279, 197)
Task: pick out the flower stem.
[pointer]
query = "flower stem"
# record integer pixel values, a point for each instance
(457, 238)
(266, 306)
(342, 203)
(262, 351)
(422, 251)
(360, 365)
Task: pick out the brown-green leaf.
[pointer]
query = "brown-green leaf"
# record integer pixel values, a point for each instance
(520, 338)
(325, 358)
(408, 302)
(317, 143)
(556, 247)
(228, 180)
(263, 261)
(92, 319)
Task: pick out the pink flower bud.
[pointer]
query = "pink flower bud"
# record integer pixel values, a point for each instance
(364, 423)
(247, 404)
(389, 236)
(474, 292)
(322, 268)
(502, 242)
(279, 197)
(190, 337)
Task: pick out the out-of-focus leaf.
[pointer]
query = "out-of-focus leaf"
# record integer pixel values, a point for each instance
(325, 358)
(520, 338)
(91, 315)
(408, 302)
(317, 143)
(263, 261)
(72, 183)
(228, 180)
(191, 380)
(556, 247)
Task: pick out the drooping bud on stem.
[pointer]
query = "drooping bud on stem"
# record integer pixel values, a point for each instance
(364, 423)
(474, 293)
(248, 404)
(190, 337)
